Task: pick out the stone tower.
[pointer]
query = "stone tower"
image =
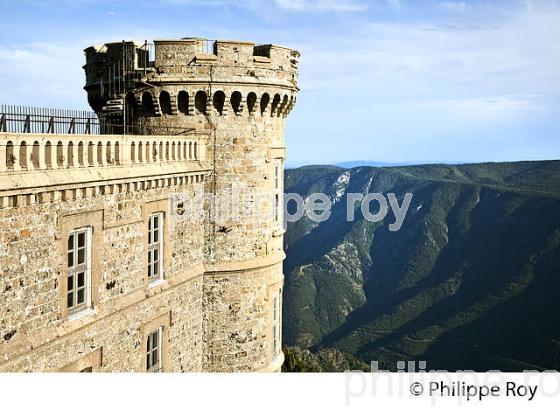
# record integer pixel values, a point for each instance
(238, 95)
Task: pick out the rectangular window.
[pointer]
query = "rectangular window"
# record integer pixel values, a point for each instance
(78, 281)
(278, 189)
(277, 173)
(154, 348)
(276, 323)
(155, 246)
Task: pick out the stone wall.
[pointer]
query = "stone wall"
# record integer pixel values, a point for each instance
(37, 335)
(237, 317)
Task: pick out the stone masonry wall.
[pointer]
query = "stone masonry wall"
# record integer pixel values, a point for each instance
(237, 318)
(32, 307)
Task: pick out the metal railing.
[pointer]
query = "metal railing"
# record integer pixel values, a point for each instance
(21, 119)
(34, 120)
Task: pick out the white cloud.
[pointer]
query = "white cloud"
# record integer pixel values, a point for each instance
(487, 70)
(470, 71)
(288, 5)
(453, 6)
(322, 5)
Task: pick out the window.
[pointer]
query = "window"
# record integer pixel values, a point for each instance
(277, 173)
(155, 246)
(276, 207)
(78, 289)
(276, 323)
(277, 189)
(154, 342)
(154, 349)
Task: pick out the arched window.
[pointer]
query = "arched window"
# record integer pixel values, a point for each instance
(190, 151)
(165, 102)
(140, 152)
(218, 101)
(167, 151)
(235, 100)
(148, 103)
(173, 152)
(200, 100)
(132, 152)
(251, 101)
(265, 99)
(148, 152)
(179, 157)
(154, 151)
(195, 149)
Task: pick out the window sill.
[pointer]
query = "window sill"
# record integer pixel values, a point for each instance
(155, 283)
(81, 314)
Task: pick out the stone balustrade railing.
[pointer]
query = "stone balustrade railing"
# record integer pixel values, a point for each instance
(40, 168)
(32, 152)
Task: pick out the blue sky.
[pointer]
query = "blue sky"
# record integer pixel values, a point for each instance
(385, 80)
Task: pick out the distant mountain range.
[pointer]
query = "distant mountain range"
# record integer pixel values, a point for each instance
(471, 281)
(354, 164)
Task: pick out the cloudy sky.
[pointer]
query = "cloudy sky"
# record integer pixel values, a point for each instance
(381, 80)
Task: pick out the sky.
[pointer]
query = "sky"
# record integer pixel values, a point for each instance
(380, 80)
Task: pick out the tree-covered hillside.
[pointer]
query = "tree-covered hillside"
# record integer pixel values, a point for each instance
(470, 281)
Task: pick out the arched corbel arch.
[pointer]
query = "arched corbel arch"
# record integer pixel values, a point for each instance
(218, 101)
(265, 100)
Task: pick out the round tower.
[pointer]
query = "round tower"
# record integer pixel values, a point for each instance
(239, 94)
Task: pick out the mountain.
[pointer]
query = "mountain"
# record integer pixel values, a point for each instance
(470, 281)
(355, 164)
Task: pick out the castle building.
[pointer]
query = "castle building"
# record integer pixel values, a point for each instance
(104, 264)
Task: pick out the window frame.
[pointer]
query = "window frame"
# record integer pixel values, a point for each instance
(76, 268)
(156, 246)
(278, 190)
(150, 366)
(160, 321)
